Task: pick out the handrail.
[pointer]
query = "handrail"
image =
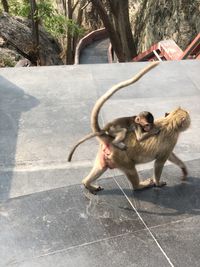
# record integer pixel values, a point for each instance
(88, 39)
(169, 50)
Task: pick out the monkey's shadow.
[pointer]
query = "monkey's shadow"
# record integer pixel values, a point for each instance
(170, 200)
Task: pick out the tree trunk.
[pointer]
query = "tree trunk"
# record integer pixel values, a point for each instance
(120, 11)
(114, 38)
(64, 7)
(35, 33)
(118, 27)
(5, 5)
(69, 53)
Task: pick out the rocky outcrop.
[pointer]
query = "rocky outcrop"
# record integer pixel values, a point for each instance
(16, 33)
(157, 20)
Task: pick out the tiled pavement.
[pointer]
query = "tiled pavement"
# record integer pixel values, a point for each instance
(46, 217)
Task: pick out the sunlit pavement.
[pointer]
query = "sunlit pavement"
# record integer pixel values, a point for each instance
(46, 218)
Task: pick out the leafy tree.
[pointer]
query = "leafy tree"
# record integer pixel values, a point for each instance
(35, 57)
(62, 26)
(5, 5)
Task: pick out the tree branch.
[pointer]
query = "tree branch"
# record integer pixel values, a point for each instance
(86, 4)
(75, 5)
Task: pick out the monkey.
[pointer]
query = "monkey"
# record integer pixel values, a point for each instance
(158, 148)
(102, 100)
(142, 124)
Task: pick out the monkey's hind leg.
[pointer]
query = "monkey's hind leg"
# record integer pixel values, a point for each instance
(158, 167)
(174, 159)
(119, 137)
(94, 174)
(133, 177)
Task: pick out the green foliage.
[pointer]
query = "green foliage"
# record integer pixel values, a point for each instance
(74, 29)
(56, 24)
(19, 8)
(6, 61)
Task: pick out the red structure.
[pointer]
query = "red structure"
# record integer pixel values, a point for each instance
(169, 50)
(193, 50)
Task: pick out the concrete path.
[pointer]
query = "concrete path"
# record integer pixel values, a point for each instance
(95, 53)
(45, 218)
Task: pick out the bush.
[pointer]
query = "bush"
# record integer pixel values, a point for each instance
(6, 61)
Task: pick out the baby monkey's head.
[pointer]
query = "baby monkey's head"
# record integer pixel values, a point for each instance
(145, 119)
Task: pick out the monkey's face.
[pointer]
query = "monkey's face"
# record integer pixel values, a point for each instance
(146, 126)
(180, 118)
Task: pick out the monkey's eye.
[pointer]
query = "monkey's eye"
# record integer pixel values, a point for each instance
(166, 114)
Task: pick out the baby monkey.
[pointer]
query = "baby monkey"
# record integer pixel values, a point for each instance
(142, 125)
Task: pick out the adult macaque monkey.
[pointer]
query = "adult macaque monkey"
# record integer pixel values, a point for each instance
(101, 101)
(158, 148)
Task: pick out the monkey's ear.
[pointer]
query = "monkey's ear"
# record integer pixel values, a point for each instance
(183, 119)
(166, 114)
(137, 119)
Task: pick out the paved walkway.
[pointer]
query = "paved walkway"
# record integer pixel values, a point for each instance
(45, 218)
(95, 53)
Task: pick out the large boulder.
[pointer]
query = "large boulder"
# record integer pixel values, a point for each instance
(16, 32)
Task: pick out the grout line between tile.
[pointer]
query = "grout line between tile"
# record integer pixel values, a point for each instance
(74, 247)
(172, 222)
(143, 222)
(92, 242)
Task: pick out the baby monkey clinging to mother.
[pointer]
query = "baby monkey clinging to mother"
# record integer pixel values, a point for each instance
(158, 148)
(142, 125)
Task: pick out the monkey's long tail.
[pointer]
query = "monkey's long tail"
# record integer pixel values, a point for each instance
(95, 112)
(82, 140)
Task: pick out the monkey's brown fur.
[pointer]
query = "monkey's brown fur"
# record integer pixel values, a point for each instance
(118, 129)
(158, 148)
(95, 112)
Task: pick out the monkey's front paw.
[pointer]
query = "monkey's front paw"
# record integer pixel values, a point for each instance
(97, 189)
(157, 131)
(145, 184)
(160, 184)
(93, 188)
(151, 182)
